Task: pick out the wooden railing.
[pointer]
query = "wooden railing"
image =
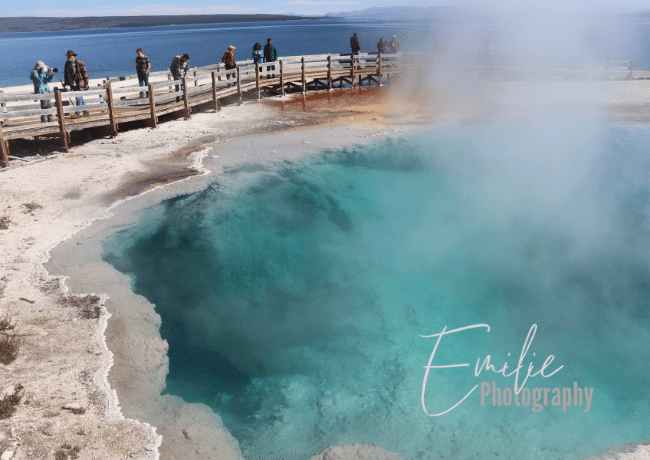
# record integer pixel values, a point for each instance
(113, 103)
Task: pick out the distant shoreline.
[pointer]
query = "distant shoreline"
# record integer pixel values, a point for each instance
(55, 24)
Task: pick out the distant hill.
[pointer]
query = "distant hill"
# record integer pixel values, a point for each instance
(38, 24)
(401, 12)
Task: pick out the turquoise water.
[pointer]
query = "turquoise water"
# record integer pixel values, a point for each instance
(294, 297)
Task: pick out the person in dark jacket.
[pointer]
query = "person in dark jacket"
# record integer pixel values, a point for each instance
(228, 58)
(179, 67)
(270, 55)
(354, 44)
(76, 77)
(41, 76)
(382, 45)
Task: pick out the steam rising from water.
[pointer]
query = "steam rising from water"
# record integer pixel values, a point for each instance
(294, 297)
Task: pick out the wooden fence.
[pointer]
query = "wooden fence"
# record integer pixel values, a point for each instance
(111, 104)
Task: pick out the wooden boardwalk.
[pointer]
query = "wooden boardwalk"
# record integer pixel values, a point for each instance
(111, 105)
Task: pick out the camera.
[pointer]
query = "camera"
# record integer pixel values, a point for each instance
(55, 69)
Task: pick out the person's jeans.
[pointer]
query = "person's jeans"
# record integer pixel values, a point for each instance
(143, 79)
(355, 60)
(268, 69)
(230, 67)
(79, 100)
(178, 88)
(46, 105)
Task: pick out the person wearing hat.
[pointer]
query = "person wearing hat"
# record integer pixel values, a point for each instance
(394, 45)
(228, 58)
(76, 77)
(41, 75)
(179, 68)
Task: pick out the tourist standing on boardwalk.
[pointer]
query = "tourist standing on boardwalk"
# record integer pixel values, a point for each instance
(258, 56)
(142, 67)
(354, 43)
(228, 58)
(76, 77)
(41, 75)
(382, 45)
(393, 46)
(179, 68)
(270, 55)
(356, 47)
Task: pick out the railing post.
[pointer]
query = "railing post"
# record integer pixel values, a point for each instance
(352, 70)
(4, 151)
(152, 102)
(169, 78)
(257, 81)
(304, 79)
(239, 93)
(2, 105)
(379, 69)
(111, 110)
(196, 82)
(186, 100)
(219, 69)
(214, 91)
(65, 140)
(282, 78)
(329, 72)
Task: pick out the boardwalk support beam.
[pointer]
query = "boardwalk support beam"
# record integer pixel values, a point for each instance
(152, 101)
(65, 137)
(4, 151)
(111, 111)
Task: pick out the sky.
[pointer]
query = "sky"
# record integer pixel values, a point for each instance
(304, 7)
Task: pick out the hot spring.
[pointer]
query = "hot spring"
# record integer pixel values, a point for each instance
(296, 297)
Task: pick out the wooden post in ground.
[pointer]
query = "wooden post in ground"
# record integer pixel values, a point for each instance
(214, 92)
(169, 78)
(65, 138)
(329, 72)
(196, 82)
(186, 100)
(111, 110)
(379, 69)
(304, 80)
(219, 69)
(282, 78)
(352, 70)
(152, 103)
(4, 151)
(257, 81)
(239, 93)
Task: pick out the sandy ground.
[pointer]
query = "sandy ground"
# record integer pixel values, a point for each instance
(68, 343)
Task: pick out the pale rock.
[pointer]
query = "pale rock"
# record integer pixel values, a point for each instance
(71, 406)
(8, 454)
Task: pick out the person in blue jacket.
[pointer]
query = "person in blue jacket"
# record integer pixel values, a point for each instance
(258, 56)
(41, 75)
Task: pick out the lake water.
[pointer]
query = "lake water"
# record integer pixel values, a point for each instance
(111, 52)
(295, 297)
